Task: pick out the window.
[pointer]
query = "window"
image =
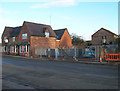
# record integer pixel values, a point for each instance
(5, 39)
(26, 48)
(23, 49)
(104, 37)
(46, 34)
(13, 39)
(12, 49)
(57, 37)
(24, 36)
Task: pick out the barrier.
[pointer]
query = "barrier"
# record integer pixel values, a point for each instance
(100, 59)
(112, 57)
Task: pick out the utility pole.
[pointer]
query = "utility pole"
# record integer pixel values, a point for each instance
(50, 20)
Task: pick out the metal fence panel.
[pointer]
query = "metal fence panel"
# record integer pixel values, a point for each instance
(41, 52)
(61, 52)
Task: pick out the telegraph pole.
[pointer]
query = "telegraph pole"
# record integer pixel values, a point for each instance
(50, 19)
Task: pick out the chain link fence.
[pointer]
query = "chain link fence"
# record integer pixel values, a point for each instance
(77, 52)
(67, 53)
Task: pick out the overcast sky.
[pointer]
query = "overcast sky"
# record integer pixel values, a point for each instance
(82, 18)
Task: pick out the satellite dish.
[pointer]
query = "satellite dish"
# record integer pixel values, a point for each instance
(6, 40)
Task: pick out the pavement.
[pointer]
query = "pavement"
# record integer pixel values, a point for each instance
(82, 60)
(27, 73)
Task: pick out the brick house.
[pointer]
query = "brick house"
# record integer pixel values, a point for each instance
(63, 38)
(103, 36)
(26, 39)
(5, 38)
(36, 36)
(10, 40)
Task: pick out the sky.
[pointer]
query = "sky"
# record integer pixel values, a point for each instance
(82, 18)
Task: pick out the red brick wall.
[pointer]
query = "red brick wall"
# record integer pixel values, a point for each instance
(57, 43)
(16, 40)
(66, 39)
(5, 34)
(97, 38)
(43, 42)
(24, 30)
(13, 53)
(37, 42)
(4, 53)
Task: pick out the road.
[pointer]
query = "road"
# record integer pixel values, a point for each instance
(23, 73)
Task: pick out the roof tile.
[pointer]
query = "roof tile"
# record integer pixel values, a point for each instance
(60, 33)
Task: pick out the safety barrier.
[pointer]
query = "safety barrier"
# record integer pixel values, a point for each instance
(112, 57)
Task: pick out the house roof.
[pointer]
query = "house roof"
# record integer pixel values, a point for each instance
(7, 30)
(39, 29)
(105, 30)
(12, 31)
(60, 33)
(15, 32)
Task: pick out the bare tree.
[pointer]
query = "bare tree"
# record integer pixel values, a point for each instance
(76, 40)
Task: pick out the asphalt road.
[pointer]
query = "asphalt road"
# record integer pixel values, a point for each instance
(22, 73)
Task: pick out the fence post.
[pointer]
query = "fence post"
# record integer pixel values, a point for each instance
(56, 51)
(62, 53)
(40, 53)
(97, 52)
(75, 55)
(49, 53)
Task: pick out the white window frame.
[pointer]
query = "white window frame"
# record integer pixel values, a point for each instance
(14, 39)
(24, 36)
(26, 48)
(5, 39)
(21, 49)
(46, 34)
(15, 48)
(12, 49)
